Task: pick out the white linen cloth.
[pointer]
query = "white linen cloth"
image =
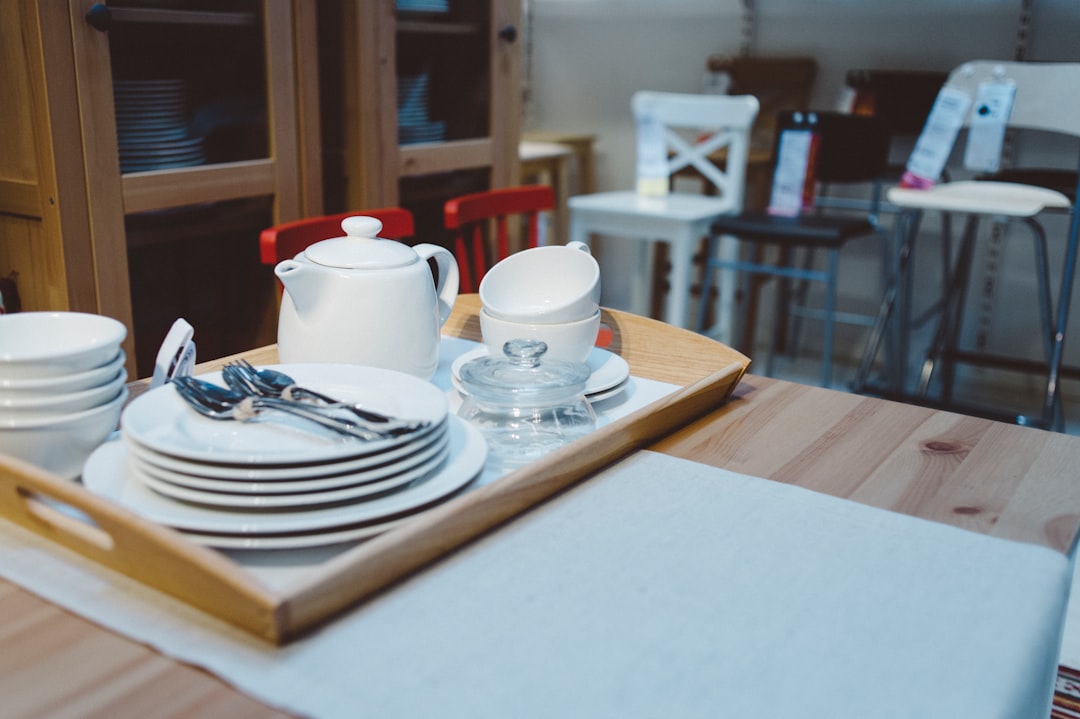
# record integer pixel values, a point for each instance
(1070, 640)
(659, 588)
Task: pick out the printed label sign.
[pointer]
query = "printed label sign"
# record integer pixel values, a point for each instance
(986, 133)
(793, 179)
(938, 136)
(652, 168)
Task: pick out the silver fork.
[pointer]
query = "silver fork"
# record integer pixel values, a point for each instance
(242, 376)
(221, 403)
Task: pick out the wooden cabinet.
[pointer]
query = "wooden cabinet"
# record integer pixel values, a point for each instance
(433, 101)
(146, 144)
(291, 110)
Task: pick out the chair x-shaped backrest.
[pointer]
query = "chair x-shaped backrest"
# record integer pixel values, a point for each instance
(720, 127)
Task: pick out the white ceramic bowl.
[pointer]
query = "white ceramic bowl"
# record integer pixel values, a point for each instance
(551, 284)
(61, 384)
(50, 344)
(62, 443)
(569, 341)
(32, 406)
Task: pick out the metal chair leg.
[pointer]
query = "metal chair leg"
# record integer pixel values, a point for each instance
(887, 330)
(1042, 266)
(1057, 353)
(946, 333)
(830, 317)
(800, 294)
(706, 283)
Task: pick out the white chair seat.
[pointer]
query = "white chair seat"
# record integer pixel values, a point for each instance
(680, 220)
(679, 207)
(984, 197)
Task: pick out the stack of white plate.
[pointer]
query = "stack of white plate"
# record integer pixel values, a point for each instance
(62, 386)
(152, 125)
(280, 482)
(423, 5)
(414, 123)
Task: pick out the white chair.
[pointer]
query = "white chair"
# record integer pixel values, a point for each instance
(720, 128)
(1045, 100)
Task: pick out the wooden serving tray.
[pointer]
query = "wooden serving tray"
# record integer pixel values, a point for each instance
(164, 559)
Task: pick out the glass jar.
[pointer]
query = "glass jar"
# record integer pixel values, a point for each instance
(526, 407)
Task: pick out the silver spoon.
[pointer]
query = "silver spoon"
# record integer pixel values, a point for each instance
(217, 402)
(274, 383)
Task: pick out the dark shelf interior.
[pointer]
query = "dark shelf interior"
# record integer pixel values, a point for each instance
(201, 263)
(218, 55)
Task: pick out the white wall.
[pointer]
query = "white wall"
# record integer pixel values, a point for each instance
(589, 56)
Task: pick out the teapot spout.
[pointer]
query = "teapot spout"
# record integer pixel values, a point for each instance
(301, 284)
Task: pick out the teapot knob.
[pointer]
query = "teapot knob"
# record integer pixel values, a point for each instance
(361, 226)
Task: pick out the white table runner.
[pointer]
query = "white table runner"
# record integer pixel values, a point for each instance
(660, 588)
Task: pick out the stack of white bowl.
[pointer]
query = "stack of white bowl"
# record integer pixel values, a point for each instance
(62, 386)
(549, 293)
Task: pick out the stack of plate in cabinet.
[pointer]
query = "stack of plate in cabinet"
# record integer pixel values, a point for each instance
(423, 5)
(152, 125)
(280, 482)
(414, 123)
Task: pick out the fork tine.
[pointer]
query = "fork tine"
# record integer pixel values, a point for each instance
(238, 379)
(252, 375)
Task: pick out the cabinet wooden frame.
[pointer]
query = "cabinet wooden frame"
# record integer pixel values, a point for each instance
(65, 208)
(374, 160)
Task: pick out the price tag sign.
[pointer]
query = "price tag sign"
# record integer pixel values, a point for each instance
(793, 179)
(652, 167)
(938, 136)
(986, 132)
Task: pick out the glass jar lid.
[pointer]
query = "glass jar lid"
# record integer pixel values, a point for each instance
(520, 379)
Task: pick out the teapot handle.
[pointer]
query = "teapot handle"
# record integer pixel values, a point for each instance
(447, 286)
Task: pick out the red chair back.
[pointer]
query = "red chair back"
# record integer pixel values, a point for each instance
(287, 240)
(469, 216)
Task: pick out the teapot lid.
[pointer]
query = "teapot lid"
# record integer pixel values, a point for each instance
(361, 248)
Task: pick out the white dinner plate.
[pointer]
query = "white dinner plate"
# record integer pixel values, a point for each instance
(129, 166)
(379, 479)
(163, 422)
(303, 540)
(106, 473)
(372, 466)
(168, 134)
(278, 473)
(607, 369)
(608, 393)
(299, 500)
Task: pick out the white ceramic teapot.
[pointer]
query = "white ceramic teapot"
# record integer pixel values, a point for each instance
(363, 300)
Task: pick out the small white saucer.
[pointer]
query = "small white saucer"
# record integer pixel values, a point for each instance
(608, 370)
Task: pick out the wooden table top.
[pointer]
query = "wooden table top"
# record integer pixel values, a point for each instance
(1001, 480)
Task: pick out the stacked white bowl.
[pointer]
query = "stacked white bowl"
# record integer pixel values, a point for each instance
(62, 386)
(549, 293)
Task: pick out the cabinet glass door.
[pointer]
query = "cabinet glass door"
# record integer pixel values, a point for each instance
(189, 82)
(443, 71)
(199, 103)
